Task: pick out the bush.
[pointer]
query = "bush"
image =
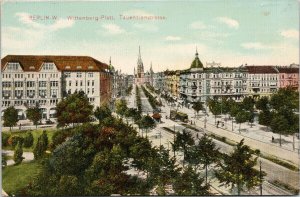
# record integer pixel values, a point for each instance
(14, 140)
(18, 154)
(28, 140)
(5, 137)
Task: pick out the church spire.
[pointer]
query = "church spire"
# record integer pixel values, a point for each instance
(196, 52)
(140, 57)
(151, 71)
(110, 60)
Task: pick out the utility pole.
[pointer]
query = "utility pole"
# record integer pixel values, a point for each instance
(174, 141)
(260, 177)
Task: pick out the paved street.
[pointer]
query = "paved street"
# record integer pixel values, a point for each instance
(274, 171)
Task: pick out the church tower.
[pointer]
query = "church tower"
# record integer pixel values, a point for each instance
(140, 69)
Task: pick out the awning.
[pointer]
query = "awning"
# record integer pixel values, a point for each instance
(20, 113)
(52, 111)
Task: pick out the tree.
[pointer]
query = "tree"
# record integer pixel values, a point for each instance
(190, 183)
(248, 103)
(280, 125)
(76, 108)
(237, 168)
(34, 114)
(41, 146)
(28, 140)
(241, 117)
(102, 112)
(10, 117)
(262, 104)
(121, 107)
(234, 110)
(205, 152)
(215, 108)
(197, 106)
(147, 123)
(183, 141)
(18, 154)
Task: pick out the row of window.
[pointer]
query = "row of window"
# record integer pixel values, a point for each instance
(78, 74)
(80, 83)
(88, 91)
(30, 93)
(19, 84)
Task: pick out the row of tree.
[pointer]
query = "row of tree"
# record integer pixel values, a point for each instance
(138, 99)
(153, 102)
(276, 112)
(10, 116)
(235, 169)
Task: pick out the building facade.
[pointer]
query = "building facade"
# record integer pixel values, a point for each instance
(45, 80)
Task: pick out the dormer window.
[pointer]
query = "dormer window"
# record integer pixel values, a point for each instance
(90, 67)
(12, 66)
(31, 67)
(48, 66)
(78, 67)
(67, 67)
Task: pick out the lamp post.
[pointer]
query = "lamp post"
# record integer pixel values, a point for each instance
(260, 177)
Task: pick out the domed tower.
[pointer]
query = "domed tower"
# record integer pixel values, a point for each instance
(196, 63)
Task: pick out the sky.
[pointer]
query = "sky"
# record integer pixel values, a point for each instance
(229, 32)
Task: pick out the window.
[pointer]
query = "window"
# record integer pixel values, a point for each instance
(42, 93)
(68, 74)
(6, 93)
(42, 84)
(30, 84)
(78, 67)
(31, 67)
(48, 66)
(88, 83)
(90, 74)
(79, 74)
(88, 91)
(54, 83)
(18, 93)
(92, 90)
(90, 67)
(6, 84)
(12, 66)
(18, 84)
(93, 83)
(53, 93)
(70, 83)
(76, 83)
(80, 83)
(30, 93)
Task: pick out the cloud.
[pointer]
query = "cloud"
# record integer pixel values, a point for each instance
(173, 38)
(229, 22)
(113, 29)
(290, 33)
(146, 27)
(198, 25)
(58, 24)
(32, 34)
(254, 45)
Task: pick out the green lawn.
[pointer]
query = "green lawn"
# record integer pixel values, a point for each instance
(36, 134)
(17, 177)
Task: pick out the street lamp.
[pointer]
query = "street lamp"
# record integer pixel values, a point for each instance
(260, 177)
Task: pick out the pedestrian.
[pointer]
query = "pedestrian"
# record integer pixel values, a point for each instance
(272, 139)
(20, 126)
(197, 135)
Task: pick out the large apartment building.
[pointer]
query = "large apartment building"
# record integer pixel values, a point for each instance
(200, 83)
(28, 80)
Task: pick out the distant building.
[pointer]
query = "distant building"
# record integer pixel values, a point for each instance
(140, 77)
(28, 80)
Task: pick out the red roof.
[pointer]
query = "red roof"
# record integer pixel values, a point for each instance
(261, 69)
(288, 70)
(63, 63)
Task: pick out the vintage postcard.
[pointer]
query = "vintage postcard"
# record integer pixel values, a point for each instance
(185, 98)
